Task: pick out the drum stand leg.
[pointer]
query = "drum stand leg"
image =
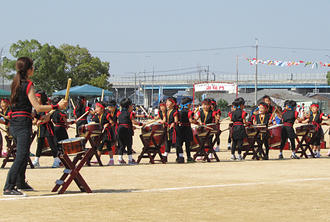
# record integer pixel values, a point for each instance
(201, 149)
(94, 144)
(303, 146)
(72, 172)
(11, 149)
(211, 150)
(151, 152)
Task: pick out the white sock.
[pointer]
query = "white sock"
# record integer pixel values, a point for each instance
(130, 158)
(180, 154)
(120, 157)
(233, 156)
(280, 152)
(293, 153)
(319, 152)
(111, 158)
(36, 159)
(57, 159)
(165, 154)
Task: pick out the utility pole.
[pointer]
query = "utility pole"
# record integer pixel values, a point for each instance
(152, 87)
(135, 90)
(144, 91)
(236, 76)
(207, 72)
(256, 76)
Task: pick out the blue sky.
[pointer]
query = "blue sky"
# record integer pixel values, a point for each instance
(146, 25)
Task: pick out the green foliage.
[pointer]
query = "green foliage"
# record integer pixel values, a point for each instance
(328, 77)
(222, 103)
(53, 66)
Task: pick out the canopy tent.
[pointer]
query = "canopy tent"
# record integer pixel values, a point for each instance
(84, 90)
(4, 93)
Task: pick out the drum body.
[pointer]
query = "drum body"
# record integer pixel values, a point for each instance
(215, 128)
(73, 145)
(199, 133)
(156, 131)
(251, 132)
(94, 128)
(302, 130)
(275, 136)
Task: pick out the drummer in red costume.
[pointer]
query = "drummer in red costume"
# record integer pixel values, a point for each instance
(126, 120)
(238, 130)
(80, 109)
(316, 119)
(172, 120)
(206, 114)
(216, 119)
(263, 118)
(185, 135)
(103, 117)
(5, 109)
(289, 117)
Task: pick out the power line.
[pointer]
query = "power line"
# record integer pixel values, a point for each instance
(172, 70)
(293, 48)
(167, 51)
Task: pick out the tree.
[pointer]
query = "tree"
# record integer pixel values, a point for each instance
(328, 77)
(85, 69)
(53, 66)
(222, 104)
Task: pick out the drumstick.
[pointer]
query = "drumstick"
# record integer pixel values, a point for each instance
(144, 110)
(102, 96)
(82, 116)
(205, 126)
(66, 98)
(74, 107)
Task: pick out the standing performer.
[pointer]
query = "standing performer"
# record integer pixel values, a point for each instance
(238, 117)
(5, 109)
(289, 117)
(126, 120)
(185, 134)
(316, 118)
(113, 118)
(172, 120)
(232, 109)
(22, 99)
(216, 118)
(45, 131)
(206, 114)
(103, 117)
(263, 118)
(59, 118)
(80, 109)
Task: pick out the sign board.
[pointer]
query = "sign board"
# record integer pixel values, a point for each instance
(215, 86)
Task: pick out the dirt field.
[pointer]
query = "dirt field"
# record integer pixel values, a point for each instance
(274, 190)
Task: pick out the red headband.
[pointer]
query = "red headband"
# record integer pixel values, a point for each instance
(162, 104)
(316, 105)
(172, 100)
(38, 95)
(100, 105)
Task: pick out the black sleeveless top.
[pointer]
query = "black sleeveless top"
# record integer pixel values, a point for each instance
(206, 119)
(21, 111)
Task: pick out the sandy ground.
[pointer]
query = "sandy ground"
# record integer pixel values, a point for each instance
(274, 190)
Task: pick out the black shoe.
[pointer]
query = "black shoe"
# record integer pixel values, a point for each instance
(190, 160)
(25, 186)
(180, 160)
(13, 192)
(280, 157)
(266, 157)
(165, 159)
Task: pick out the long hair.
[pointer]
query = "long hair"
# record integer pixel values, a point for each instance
(23, 64)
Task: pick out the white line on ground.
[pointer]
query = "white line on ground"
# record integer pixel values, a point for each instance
(169, 189)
